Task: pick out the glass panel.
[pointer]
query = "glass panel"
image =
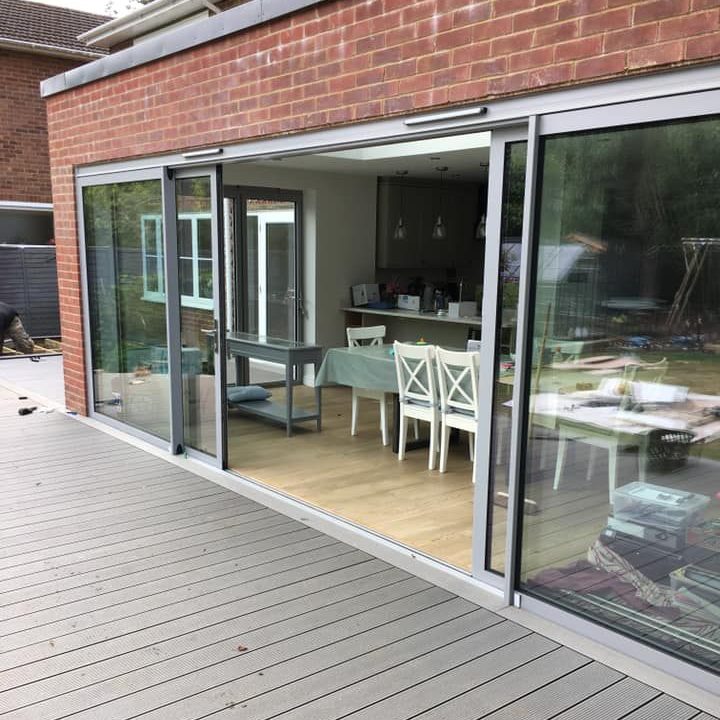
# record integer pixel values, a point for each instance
(279, 278)
(624, 385)
(197, 323)
(269, 273)
(510, 247)
(205, 278)
(185, 244)
(128, 331)
(204, 231)
(187, 284)
(252, 274)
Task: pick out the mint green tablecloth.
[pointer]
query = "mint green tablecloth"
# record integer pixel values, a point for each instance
(370, 367)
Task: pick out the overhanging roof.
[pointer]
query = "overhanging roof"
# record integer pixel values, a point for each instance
(145, 19)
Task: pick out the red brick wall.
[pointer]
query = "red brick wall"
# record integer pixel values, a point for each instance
(24, 161)
(346, 61)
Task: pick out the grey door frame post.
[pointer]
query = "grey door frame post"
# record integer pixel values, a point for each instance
(523, 361)
(486, 388)
(172, 294)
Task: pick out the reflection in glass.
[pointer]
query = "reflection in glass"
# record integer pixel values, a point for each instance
(197, 320)
(510, 239)
(625, 385)
(126, 299)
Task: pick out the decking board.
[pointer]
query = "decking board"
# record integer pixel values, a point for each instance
(132, 588)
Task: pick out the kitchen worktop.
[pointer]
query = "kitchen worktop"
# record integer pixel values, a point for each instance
(415, 315)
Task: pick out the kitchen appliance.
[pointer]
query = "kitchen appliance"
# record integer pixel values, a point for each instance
(365, 293)
(466, 308)
(409, 302)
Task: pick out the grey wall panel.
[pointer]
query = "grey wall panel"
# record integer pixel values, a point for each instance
(28, 282)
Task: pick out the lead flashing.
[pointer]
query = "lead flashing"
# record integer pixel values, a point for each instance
(237, 19)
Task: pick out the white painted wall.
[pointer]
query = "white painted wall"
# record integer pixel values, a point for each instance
(339, 226)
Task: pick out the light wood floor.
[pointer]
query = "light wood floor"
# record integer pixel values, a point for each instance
(359, 479)
(362, 481)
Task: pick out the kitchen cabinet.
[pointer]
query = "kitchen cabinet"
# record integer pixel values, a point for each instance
(420, 202)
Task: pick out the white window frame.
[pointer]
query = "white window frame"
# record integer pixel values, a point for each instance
(194, 300)
(159, 255)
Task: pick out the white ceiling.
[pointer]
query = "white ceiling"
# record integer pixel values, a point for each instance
(465, 156)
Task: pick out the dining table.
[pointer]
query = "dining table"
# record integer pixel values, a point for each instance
(371, 367)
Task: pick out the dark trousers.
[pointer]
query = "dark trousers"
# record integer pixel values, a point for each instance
(17, 333)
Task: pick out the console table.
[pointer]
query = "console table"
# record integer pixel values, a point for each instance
(291, 354)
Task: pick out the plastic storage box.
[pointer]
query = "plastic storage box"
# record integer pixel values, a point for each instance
(658, 506)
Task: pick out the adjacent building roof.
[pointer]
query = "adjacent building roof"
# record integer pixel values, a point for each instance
(46, 29)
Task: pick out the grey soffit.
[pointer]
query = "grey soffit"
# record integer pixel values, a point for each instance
(237, 19)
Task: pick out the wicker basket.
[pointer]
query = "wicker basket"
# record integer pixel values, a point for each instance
(668, 449)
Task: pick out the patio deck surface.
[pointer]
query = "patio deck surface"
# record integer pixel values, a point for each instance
(130, 587)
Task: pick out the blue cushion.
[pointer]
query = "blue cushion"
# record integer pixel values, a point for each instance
(245, 393)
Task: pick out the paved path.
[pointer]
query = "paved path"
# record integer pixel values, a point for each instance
(131, 588)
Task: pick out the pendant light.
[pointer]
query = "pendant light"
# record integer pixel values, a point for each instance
(439, 231)
(400, 229)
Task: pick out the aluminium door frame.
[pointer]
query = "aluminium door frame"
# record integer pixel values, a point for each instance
(484, 437)
(693, 105)
(214, 173)
(81, 182)
(257, 192)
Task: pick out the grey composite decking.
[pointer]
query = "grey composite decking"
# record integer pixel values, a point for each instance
(131, 588)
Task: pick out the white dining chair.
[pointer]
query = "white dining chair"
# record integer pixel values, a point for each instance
(374, 335)
(459, 400)
(418, 398)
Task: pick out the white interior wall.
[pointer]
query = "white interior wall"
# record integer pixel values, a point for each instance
(339, 241)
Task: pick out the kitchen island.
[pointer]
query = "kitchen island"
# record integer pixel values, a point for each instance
(411, 325)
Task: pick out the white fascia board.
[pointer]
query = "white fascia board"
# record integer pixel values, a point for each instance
(51, 50)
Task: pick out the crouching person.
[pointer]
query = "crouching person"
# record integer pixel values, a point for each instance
(12, 327)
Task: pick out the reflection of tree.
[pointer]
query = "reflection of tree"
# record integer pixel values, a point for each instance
(641, 190)
(121, 319)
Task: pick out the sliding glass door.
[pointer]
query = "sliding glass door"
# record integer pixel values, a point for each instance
(127, 303)
(199, 280)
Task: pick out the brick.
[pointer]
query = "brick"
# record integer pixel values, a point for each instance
(531, 58)
(658, 9)
(549, 76)
(577, 49)
(630, 38)
(608, 20)
(472, 13)
(703, 47)
(690, 25)
(488, 68)
(510, 7)
(512, 43)
(600, 67)
(535, 18)
(475, 90)
(656, 55)
(553, 34)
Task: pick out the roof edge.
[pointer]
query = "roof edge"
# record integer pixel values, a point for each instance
(229, 22)
(150, 17)
(52, 50)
